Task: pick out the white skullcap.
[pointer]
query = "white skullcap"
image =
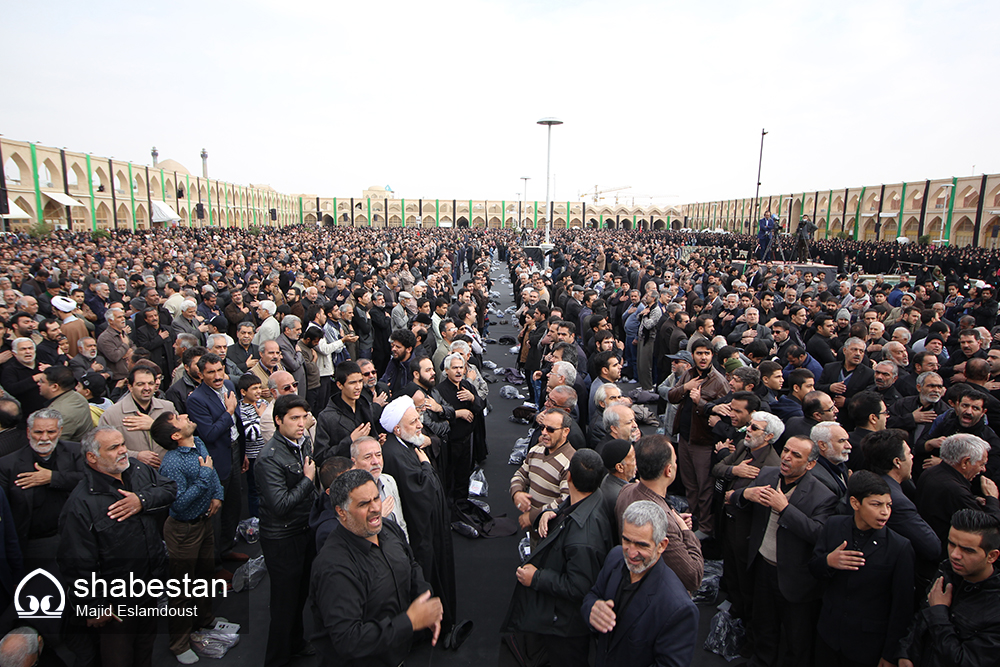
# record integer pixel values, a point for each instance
(63, 304)
(269, 306)
(393, 413)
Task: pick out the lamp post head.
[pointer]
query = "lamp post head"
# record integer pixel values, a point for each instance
(550, 121)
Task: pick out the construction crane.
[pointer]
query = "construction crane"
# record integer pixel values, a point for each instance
(649, 197)
(596, 194)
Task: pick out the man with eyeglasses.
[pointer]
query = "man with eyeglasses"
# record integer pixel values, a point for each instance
(540, 483)
(281, 384)
(735, 472)
(867, 409)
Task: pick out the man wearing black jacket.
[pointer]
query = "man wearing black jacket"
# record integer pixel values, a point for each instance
(347, 416)
(789, 509)
(551, 586)
(867, 569)
(285, 474)
(355, 624)
(844, 379)
(961, 623)
(947, 487)
(109, 527)
(157, 339)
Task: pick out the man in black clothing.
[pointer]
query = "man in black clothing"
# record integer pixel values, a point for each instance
(867, 569)
(425, 508)
(48, 350)
(459, 393)
(347, 416)
(120, 539)
(961, 623)
(157, 339)
(789, 509)
(562, 568)
(820, 346)
(37, 481)
(915, 414)
(397, 374)
(373, 624)
(947, 487)
(285, 474)
(844, 379)
(243, 352)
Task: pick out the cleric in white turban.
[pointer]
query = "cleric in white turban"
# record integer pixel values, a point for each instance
(428, 519)
(393, 413)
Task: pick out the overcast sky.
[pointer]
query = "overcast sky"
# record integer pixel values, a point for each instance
(441, 98)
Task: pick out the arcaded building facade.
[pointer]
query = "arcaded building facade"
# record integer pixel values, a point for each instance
(80, 191)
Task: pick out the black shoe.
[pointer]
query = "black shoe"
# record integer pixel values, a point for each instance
(460, 633)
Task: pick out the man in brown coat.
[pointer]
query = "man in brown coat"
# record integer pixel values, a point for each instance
(695, 391)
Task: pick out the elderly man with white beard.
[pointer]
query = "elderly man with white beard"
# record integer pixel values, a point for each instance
(37, 481)
(425, 509)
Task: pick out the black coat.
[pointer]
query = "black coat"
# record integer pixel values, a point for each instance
(335, 424)
(907, 522)
(568, 561)
(428, 520)
(966, 634)
(658, 627)
(286, 494)
(799, 527)
(93, 542)
(942, 491)
(861, 379)
(866, 611)
(66, 474)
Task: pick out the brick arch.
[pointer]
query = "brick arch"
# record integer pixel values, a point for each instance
(16, 169)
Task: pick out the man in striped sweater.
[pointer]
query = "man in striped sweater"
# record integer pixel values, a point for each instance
(540, 483)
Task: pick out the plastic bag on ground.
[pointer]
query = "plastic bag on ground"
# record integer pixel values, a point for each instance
(478, 486)
(511, 393)
(709, 589)
(515, 350)
(249, 530)
(726, 636)
(249, 574)
(213, 643)
(519, 452)
(489, 364)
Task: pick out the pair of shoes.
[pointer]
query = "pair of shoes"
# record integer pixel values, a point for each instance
(235, 557)
(188, 657)
(457, 635)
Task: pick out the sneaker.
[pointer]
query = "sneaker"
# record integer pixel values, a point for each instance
(188, 657)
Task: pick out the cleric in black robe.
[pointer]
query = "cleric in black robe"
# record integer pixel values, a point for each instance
(468, 408)
(425, 507)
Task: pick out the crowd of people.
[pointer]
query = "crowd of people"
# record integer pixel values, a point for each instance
(832, 440)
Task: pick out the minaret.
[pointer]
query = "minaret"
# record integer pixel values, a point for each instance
(156, 155)
(204, 163)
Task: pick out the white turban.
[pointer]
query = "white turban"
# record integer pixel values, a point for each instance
(63, 304)
(393, 413)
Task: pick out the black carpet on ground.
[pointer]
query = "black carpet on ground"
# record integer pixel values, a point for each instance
(485, 567)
